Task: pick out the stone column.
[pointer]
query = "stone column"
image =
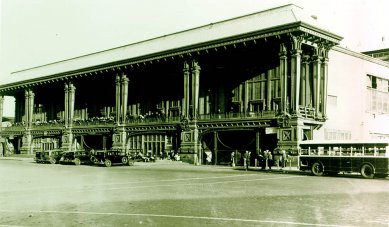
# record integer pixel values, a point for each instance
(246, 98)
(269, 97)
(124, 98)
(304, 95)
(117, 99)
(26, 108)
(295, 73)
(324, 83)
(31, 107)
(26, 147)
(1, 110)
(72, 97)
(66, 112)
(215, 142)
(67, 137)
(316, 64)
(195, 88)
(283, 77)
(186, 100)
(257, 143)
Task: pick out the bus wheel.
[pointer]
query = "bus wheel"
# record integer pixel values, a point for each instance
(107, 163)
(317, 169)
(367, 171)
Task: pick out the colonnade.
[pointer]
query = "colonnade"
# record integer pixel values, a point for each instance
(121, 98)
(191, 89)
(306, 89)
(70, 95)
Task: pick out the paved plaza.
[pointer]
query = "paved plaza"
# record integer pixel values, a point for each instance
(178, 194)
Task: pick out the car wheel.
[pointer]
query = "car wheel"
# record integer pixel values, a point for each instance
(93, 159)
(367, 171)
(77, 161)
(124, 160)
(52, 160)
(317, 169)
(107, 163)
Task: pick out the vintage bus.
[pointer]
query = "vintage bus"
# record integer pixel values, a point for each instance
(370, 159)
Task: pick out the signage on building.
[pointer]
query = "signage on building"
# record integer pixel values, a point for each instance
(271, 130)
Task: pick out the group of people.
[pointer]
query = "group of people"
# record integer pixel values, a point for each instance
(265, 159)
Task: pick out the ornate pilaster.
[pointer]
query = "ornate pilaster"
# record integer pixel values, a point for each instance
(186, 100)
(316, 65)
(295, 73)
(72, 100)
(26, 147)
(269, 89)
(195, 88)
(283, 77)
(324, 82)
(190, 143)
(119, 137)
(305, 96)
(118, 100)
(26, 103)
(66, 112)
(68, 137)
(124, 97)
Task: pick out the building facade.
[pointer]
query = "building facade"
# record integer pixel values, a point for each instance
(262, 81)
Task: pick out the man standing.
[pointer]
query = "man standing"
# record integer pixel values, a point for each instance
(246, 160)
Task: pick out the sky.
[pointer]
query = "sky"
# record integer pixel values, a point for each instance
(38, 32)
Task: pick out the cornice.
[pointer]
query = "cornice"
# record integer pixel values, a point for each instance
(361, 56)
(179, 53)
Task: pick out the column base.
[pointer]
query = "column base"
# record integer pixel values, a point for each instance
(119, 140)
(26, 144)
(190, 150)
(67, 144)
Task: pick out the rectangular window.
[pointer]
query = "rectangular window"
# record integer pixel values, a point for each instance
(377, 95)
(373, 82)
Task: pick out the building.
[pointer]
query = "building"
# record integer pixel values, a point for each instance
(261, 81)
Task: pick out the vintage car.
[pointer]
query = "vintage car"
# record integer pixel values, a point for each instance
(112, 156)
(77, 157)
(48, 156)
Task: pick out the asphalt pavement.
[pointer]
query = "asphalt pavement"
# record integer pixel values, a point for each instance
(179, 194)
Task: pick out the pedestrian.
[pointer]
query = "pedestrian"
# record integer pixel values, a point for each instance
(283, 159)
(270, 159)
(266, 160)
(233, 159)
(262, 160)
(246, 160)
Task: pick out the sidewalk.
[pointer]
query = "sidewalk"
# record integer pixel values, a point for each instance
(21, 158)
(172, 163)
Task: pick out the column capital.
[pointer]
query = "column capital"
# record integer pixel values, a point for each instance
(125, 78)
(186, 67)
(72, 88)
(297, 41)
(195, 65)
(305, 59)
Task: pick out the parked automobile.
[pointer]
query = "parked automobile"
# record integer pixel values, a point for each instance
(112, 156)
(48, 156)
(77, 157)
